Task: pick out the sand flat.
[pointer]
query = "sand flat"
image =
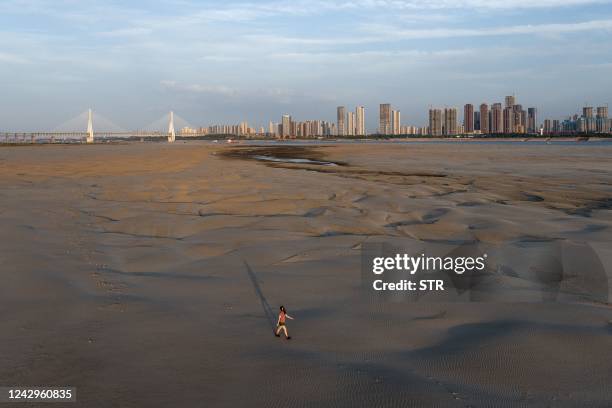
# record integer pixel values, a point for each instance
(143, 274)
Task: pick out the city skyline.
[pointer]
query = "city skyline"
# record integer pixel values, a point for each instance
(495, 119)
(236, 60)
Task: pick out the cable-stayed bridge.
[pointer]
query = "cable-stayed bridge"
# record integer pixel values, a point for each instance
(82, 128)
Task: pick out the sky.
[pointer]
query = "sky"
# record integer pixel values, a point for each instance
(232, 60)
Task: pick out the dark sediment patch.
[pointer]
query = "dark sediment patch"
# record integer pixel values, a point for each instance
(310, 158)
(469, 204)
(162, 275)
(337, 234)
(533, 197)
(594, 228)
(586, 210)
(315, 212)
(457, 242)
(435, 215)
(532, 239)
(272, 155)
(431, 317)
(405, 223)
(294, 160)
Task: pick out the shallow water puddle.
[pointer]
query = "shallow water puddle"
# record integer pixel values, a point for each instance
(293, 160)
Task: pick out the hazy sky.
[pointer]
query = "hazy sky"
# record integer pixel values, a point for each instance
(227, 61)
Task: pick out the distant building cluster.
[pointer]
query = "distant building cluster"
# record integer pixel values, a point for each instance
(241, 129)
(508, 118)
(347, 124)
(390, 123)
(511, 118)
(287, 128)
(585, 123)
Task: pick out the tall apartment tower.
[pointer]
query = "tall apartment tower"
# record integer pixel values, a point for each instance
(518, 119)
(602, 112)
(532, 120)
(341, 121)
(395, 122)
(450, 121)
(286, 126)
(360, 129)
(384, 126)
(603, 125)
(435, 122)
(587, 114)
(484, 119)
(508, 126)
(350, 124)
(497, 118)
(510, 101)
(468, 118)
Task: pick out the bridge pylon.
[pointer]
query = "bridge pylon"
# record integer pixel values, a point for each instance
(90, 133)
(171, 133)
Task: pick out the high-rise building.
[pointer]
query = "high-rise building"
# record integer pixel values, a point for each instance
(384, 126)
(602, 125)
(532, 120)
(602, 112)
(435, 122)
(508, 126)
(395, 122)
(477, 121)
(590, 121)
(341, 121)
(350, 124)
(272, 128)
(286, 126)
(497, 118)
(510, 101)
(242, 128)
(360, 129)
(518, 119)
(450, 121)
(581, 125)
(547, 127)
(468, 118)
(484, 118)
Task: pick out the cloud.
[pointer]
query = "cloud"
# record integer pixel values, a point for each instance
(406, 56)
(272, 94)
(397, 33)
(198, 88)
(12, 58)
(252, 10)
(126, 32)
(472, 4)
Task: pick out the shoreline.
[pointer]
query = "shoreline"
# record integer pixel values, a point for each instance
(508, 140)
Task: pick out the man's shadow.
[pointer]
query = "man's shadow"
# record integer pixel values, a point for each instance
(264, 302)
